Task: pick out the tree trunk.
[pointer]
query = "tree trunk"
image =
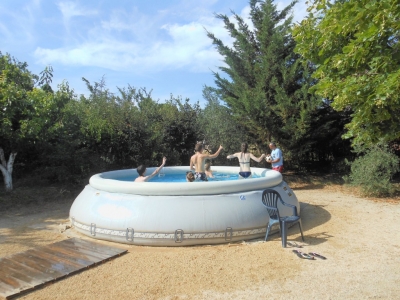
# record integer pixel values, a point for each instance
(7, 168)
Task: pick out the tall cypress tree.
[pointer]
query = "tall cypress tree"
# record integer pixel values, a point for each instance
(264, 82)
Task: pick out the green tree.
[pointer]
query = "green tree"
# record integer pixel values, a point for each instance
(354, 45)
(46, 77)
(27, 114)
(112, 125)
(15, 82)
(178, 129)
(374, 169)
(217, 126)
(130, 128)
(266, 85)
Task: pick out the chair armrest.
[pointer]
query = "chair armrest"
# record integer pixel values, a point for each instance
(272, 208)
(294, 207)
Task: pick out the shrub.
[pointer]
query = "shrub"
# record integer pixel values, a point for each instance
(373, 171)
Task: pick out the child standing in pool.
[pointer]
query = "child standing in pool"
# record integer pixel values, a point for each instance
(197, 161)
(142, 170)
(209, 172)
(244, 161)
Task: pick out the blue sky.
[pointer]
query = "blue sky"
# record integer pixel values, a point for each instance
(160, 45)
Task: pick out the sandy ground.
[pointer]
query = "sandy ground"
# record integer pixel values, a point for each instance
(360, 237)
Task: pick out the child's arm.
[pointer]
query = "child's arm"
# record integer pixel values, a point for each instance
(257, 159)
(216, 153)
(232, 156)
(157, 170)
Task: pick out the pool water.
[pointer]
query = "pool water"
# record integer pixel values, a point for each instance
(182, 177)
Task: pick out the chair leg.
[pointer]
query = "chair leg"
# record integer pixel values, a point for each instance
(268, 229)
(280, 230)
(284, 234)
(301, 230)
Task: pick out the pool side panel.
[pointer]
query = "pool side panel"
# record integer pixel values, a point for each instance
(174, 220)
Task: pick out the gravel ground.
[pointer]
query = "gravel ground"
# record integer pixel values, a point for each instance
(359, 237)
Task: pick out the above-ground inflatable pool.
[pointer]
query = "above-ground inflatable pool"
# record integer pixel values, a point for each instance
(168, 211)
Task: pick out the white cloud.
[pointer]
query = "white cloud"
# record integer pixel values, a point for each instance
(190, 47)
(130, 25)
(116, 23)
(134, 42)
(71, 9)
(36, 3)
(245, 13)
(17, 26)
(299, 10)
(110, 55)
(185, 46)
(5, 32)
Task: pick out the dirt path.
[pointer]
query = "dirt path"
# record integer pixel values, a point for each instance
(360, 238)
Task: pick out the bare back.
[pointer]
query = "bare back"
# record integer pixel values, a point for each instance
(141, 179)
(198, 162)
(244, 160)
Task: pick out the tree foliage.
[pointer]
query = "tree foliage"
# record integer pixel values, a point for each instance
(373, 171)
(263, 81)
(45, 79)
(130, 128)
(354, 45)
(179, 130)
(217, 126)
(28, 114)
(15, 107)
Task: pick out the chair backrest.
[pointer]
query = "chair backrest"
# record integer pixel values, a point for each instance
(270, 200)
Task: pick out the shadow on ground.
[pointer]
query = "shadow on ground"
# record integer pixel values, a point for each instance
(312, 181)
(312, 216)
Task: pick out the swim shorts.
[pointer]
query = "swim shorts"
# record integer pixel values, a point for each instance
(200, 176)
(245, 174)
(279, 169)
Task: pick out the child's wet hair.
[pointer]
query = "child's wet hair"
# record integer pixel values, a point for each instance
(199, 147)
(189, 176)
(141, 169)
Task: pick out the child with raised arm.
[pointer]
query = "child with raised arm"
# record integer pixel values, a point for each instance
(244, 161)
(142, 170)
(197, 161)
